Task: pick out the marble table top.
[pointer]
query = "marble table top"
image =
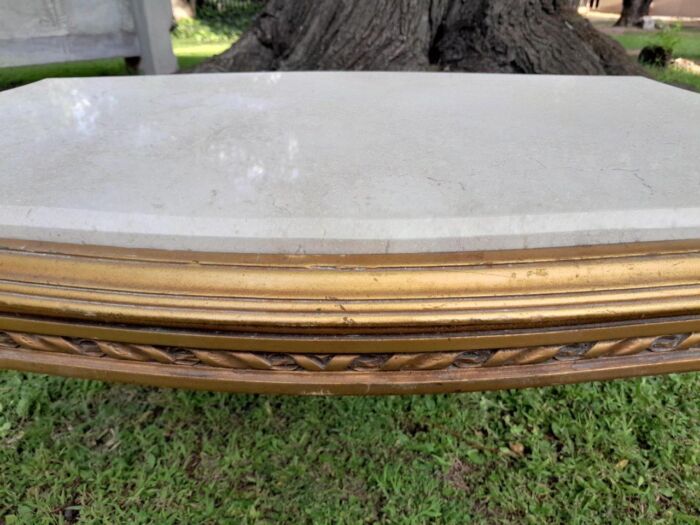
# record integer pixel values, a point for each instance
(349, 162)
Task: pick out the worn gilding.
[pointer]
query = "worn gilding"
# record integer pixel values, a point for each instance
(376, 323)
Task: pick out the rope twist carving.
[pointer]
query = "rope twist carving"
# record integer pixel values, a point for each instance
(243, 360)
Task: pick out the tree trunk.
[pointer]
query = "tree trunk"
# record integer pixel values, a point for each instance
(633, 12)
(499, 36)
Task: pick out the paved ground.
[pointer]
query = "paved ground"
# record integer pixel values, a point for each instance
(605, 17)
(679, 8)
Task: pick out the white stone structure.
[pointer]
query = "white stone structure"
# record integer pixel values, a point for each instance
(350, 162)
(45, 31)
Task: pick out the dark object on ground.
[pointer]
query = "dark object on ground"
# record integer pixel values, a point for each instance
(497, 36)
(654, 55)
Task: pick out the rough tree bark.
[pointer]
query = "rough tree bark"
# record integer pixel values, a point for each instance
(504, 36)
(633, 12)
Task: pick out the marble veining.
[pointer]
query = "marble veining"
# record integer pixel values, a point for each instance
(349, 162)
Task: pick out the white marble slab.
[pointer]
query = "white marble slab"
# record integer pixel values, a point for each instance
(349, 162)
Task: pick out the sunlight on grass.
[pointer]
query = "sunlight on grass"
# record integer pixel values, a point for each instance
(190, 53)
(194, 49)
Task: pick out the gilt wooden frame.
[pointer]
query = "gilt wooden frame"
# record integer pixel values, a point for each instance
(350, 324)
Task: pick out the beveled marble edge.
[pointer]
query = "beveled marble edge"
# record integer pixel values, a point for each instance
(363, 260)
(355, 236)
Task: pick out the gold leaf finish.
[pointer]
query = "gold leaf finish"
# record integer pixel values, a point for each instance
(350, 324)
(379, 363)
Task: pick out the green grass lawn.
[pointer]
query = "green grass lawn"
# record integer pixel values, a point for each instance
(191, 53)
(677, 78)
(688, 42)
(621, 452)
(687, 46)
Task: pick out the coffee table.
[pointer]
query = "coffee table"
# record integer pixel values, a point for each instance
(350, 233)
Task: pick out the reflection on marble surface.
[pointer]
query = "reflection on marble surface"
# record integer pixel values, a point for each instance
(349, 162)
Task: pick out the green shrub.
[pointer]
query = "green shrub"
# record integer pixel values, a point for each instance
(669, 37)
(217, 23)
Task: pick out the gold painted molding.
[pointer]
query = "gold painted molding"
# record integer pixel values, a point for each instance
(276, 362)
(421, 373)
(65, 308)
(307, 294)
